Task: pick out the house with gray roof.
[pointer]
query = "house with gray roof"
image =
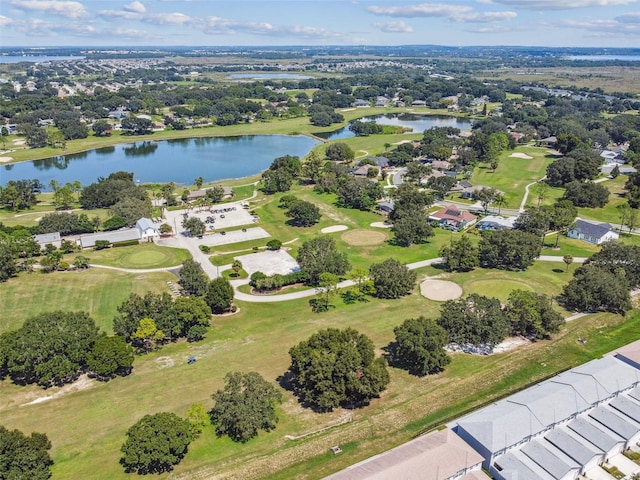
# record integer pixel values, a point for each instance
(88, 241)
(148, 230)
(496, 222)
(45, 239)
(592, 232)
(571, 417)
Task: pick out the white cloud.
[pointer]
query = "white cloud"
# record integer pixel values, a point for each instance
(454, 13)
(135, 6)
(562, 4)
(393, 27)
(119, 14)
(133, 34)
(223, 26)
(68, 9)
(602, 28)
(166, 18)
(4, 21)
(37, 27)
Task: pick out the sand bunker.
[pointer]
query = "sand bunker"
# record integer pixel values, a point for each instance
(334, 228)
(521, 155)
(440, 290)
(5, 159)
(381, 225)
(364, 237)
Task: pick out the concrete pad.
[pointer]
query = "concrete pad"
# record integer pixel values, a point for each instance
(598, 473)
(440, 290)
(269, 262)
(334, 228)
(626, 466)
(236, 236)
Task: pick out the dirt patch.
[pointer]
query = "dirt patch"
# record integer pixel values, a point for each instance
(82, 383)
(364, 237)
(164, 362)
(440, 290)
(521, 155)
(334, 228)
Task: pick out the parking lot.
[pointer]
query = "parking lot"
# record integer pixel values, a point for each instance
(269, 262)
(217, 217)
(214, 239)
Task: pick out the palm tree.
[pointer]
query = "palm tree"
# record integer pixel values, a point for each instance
(500, 201)
(568, 259)
(624, 210)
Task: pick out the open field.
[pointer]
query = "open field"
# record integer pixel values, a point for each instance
(514, 174)
(95, 290)
(608, 78)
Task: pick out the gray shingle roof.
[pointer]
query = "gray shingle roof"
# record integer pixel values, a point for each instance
(47, 237)
(572, 445)
(590, 431)
(591, 228)
(625, 428)
(549, 458)
(516, 466)
(627, 406)
(87, 241)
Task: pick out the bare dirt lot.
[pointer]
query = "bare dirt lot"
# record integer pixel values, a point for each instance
(363, 237)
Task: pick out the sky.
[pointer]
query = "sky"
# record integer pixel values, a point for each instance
(129, 23)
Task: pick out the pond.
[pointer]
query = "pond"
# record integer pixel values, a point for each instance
(269, 76)
(417, 123)
(179, 161)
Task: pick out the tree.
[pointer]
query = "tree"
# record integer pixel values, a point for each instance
(110, 356)
(274, 244)
(50, 348)
(303, 214)
(156, 443)
(340, 152)
(476, 320)
(485, 196)
(8, 264)
(586, 194)
(194, 226)
(236, 266)
(568, 260)
(419, 346)
(532, 315)
(147, 336)
(360, 193)
(198, 182)
(593, 288)
(215, 193)
(312, 167)
(246, 405)
(131, 209)
(508, 249)
(441, 185)
(391, 279)
(320, 255)
(198, 418)
(219, 295)
(102, 128)
(460, 255)
(411, 227)
(327, 288)
(23, 456)
(337, 367)
(192, 278)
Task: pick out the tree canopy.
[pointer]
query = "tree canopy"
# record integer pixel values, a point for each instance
(337, 367)
(508, 249)
(391, 279)
(419, 346)
(219, 295)
(110, 356)
(532, 315)
(23, 456)
(320, 255)
(461, 254)
(303, 213)
(246, 405)
(156, 443)
(475, 319)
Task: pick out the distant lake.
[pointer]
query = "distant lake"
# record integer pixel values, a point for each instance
(35, 58)
(602, 58)
(270, 76)
(179, 161)
(417, 123)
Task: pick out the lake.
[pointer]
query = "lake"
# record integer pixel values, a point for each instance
(417, 123)
(179, 161)
(269, 76)
(602, 58)
(35, 58)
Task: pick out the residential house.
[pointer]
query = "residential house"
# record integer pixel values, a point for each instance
(88, 241)
(470, 192)
(496, 222)
(363, 171)
(386, 206)
(382, 102)
(45, 239)
(382, 162)
(452, 218)
(461, 186)
(562, 427)
(359, 103)
(438, 455)
(549, 142)
(418, 103)
(148, 230)
(592, 232)
(441, 165)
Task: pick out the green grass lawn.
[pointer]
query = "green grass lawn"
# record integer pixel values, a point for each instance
(609, 213)
(143, 256)
(514, 174)
(97, 291)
